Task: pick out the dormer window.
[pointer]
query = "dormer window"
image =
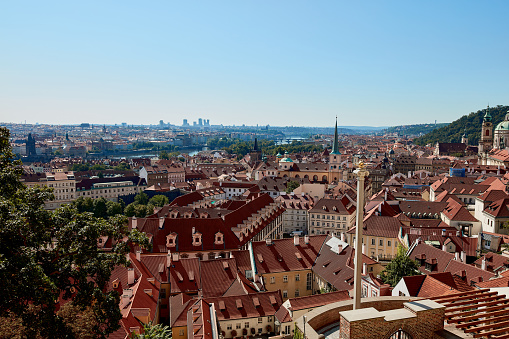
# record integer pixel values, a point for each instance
(171, 240)
(197, 239)
(219, 238)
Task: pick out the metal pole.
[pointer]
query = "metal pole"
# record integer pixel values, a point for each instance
(361, 174)
(304, 317)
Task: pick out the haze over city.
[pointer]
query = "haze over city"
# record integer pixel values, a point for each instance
(280, 63)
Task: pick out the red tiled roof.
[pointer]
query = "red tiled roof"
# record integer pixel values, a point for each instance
(280, 256)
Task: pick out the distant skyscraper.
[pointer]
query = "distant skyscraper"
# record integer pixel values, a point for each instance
(200, 122)
(185, 123)
(161, 123)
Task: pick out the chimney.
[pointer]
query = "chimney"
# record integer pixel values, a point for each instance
(175, 256)
(456, 256)
(306, 239)
(194, 230)
(343, 237)
(364, 268)
(444, 248)
(463, 256)
(480, 279)
(296, 241)
(130, 276)
(134, 222)
(168, 260)
(458, 233)
(161, 222)
(443, 232)
(268, 241)
(483, 264)
(138, 255)
(364, 249)
(148, 291)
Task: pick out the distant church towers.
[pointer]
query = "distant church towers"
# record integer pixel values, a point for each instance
(335, 158)
(486, 141)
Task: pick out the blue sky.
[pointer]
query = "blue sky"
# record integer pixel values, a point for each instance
(294, 63)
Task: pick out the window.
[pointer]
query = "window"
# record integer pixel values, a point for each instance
(287, 329)
(229, 326)
(344, 218)
(259, 330)
(269, 318)
(285, 278)
(309, 281)
(246, 324)
(388, 243)
(373, 241)
(181, 333)
(260, 320)
(285, 294)
(238, 326)
(272, 280)
(381, 242)
(297, 293)
(297, 277)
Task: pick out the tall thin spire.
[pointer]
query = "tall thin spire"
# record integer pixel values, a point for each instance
(335, 145)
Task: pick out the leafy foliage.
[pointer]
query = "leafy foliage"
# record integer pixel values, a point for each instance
(414, 129)
(159, 200)
(158, 331)
(470, 124)
(399, 267)
(291, 185)
(241, 148)
(48, 256)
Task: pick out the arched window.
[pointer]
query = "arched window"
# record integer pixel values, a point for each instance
(400, 334)
(315, 177)
(487, 132)
(324, 178)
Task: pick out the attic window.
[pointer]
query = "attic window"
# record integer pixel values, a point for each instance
(191, 275)
(238, 302)
(260, 258)
(115, 283)
(324, 208)
(219, 238)
(197, 239)
(272, 299)
(256, 301)
(222, 307)
(179, 276)
(170, 240)
(299, 257)
(225, 265)
(326, 264)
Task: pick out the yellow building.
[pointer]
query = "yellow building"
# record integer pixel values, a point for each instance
(285, 264)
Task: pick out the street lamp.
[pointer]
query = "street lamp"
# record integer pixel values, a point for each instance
(304, 317)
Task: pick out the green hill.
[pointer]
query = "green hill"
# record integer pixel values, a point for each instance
(471, 124)
(411, 130)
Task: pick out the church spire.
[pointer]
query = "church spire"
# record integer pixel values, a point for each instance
(335, 146)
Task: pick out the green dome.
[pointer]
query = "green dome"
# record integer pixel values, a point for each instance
(504, 125)
(286, 160)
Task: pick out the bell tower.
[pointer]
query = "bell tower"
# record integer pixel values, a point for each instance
(486, 141)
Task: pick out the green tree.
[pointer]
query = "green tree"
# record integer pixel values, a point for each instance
(164, 155)
(113, 208)
(100, 209)
(291, 185)
(129, 210)
(399, 267)
(141, 198)
(84, 204)
(158, 331)
(159, 200)
(46, 256)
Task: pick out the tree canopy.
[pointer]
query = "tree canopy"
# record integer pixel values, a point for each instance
(48, 257)
(399, 267)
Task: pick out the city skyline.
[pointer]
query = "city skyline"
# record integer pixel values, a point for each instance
(285, 64)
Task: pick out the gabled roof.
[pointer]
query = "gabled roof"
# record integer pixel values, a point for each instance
(283, 256)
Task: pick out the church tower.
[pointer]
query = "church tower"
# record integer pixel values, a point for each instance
(486, 141)
(335, 173)
(464, 138)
